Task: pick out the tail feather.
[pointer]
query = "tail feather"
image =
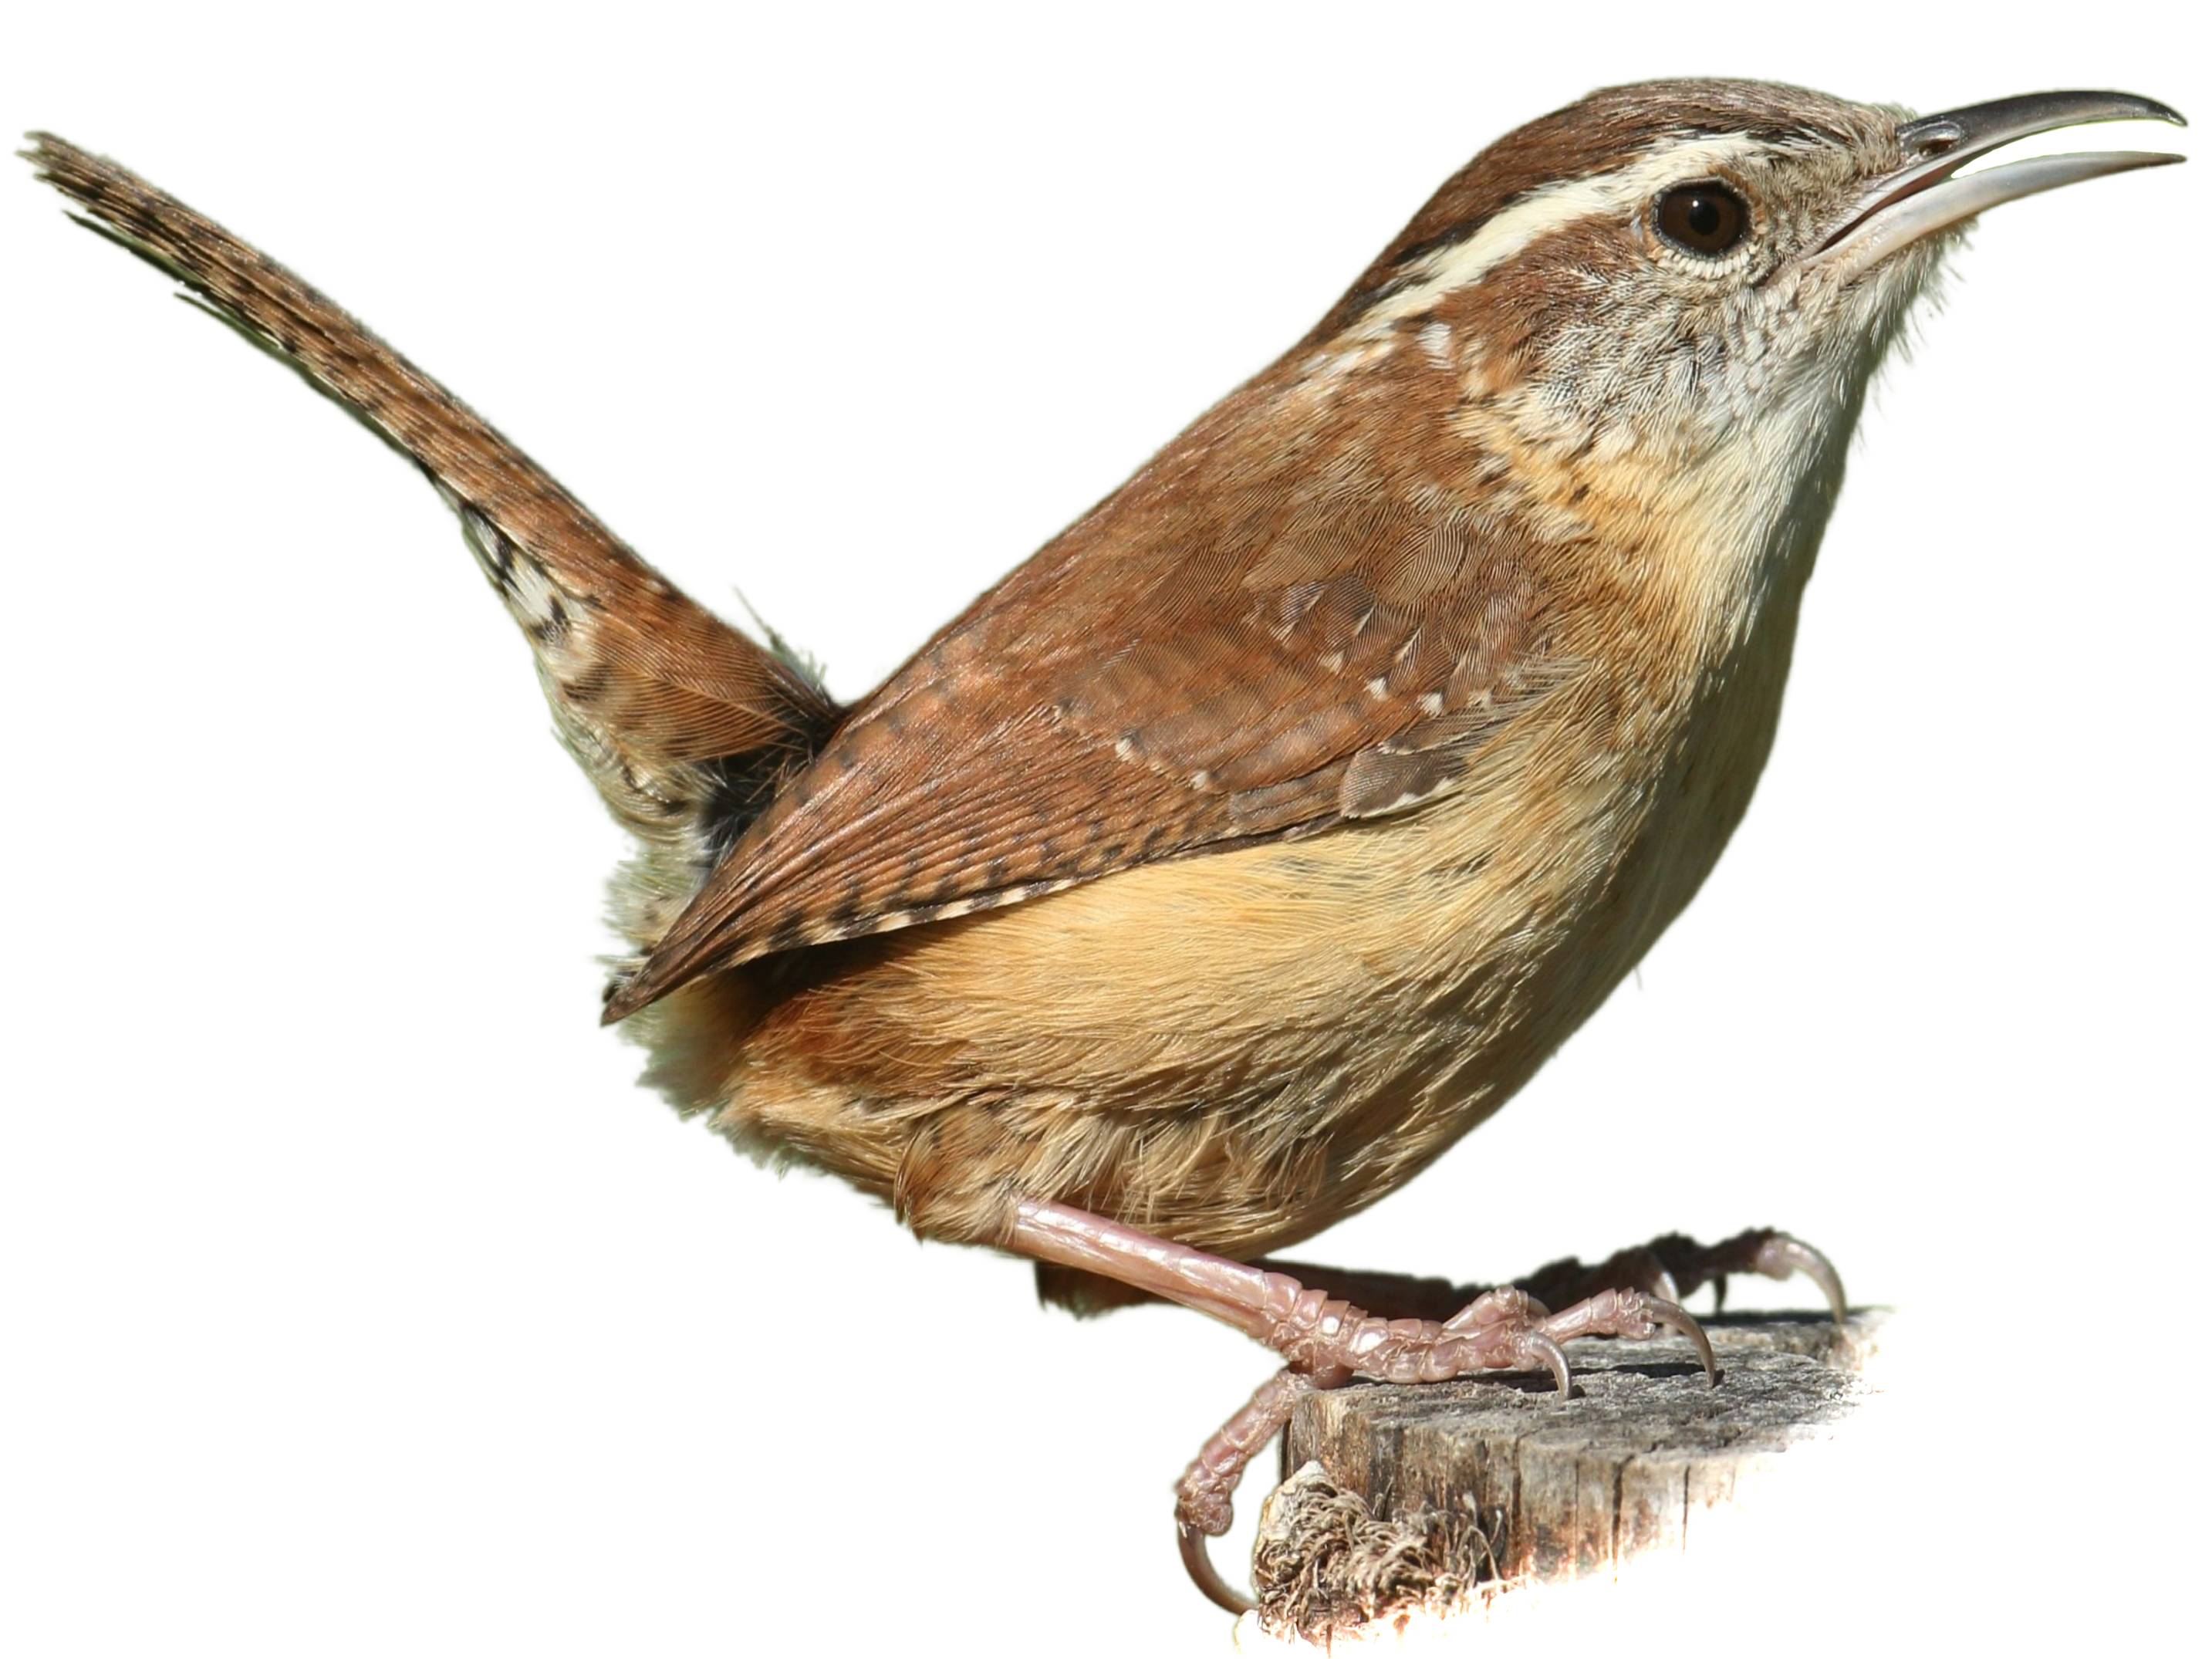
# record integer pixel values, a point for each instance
(683, 722)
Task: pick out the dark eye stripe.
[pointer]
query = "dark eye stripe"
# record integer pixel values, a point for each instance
(1705, 218)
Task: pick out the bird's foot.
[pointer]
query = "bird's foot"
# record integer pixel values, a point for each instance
(1327, 1343)
(1676, 1267)
(1673, 1268)
(1505, 1329)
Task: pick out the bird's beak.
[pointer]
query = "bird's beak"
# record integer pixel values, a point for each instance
(1923, 197)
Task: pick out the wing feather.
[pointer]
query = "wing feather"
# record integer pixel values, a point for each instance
(1202, 663)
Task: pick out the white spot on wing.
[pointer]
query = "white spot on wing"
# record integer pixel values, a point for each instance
(531, 593)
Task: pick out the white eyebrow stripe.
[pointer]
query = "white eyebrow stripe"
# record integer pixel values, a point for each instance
(1553, 208)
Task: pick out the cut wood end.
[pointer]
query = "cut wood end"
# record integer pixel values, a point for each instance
(1427, 1505)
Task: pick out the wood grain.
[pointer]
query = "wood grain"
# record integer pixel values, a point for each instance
(1399, 1497)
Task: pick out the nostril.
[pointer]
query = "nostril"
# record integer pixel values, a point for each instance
(1931, 136)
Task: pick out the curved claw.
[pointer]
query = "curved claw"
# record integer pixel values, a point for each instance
(1191, 1542)
(1674, 1318)
(1755, 1250)
(1539, 1345)
(1782, 1255)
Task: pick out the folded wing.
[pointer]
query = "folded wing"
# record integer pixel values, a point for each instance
(1188, 670)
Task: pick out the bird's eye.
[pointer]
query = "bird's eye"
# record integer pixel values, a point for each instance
(1706, 218)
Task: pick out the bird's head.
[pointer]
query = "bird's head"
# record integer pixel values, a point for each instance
(1641, 329)
(1656, 265)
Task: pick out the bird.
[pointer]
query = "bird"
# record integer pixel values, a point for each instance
(1264, 832)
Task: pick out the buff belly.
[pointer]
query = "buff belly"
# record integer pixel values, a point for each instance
(1236, 1050)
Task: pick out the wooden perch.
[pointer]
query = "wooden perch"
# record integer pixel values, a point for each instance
(1448, 1498)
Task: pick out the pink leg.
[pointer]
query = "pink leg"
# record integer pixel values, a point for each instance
(1672, 1268)
(1202, 1496)
(1326, 1342)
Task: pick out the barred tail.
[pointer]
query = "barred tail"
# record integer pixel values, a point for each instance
(683, 722)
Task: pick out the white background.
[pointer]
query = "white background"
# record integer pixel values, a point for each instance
(354, 1300)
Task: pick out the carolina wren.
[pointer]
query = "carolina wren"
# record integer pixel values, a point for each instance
(1257, 838)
